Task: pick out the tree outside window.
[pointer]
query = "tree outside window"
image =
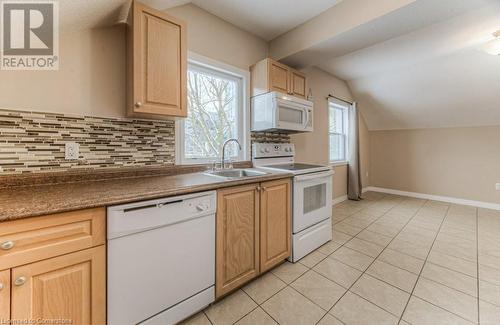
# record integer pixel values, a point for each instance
(214, 109)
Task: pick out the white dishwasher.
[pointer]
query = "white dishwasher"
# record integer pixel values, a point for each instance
(161, 259)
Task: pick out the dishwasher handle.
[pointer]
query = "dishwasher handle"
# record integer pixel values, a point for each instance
(158, 205)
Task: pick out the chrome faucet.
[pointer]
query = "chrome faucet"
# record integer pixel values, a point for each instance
(224, 149)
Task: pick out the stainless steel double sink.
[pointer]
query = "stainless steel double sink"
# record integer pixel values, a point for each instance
(235, 173)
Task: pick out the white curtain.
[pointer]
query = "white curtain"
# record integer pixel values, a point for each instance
(354, 185)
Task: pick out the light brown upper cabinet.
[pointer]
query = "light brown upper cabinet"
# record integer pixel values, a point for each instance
(156, 64)
(275, 227)
(269, 75)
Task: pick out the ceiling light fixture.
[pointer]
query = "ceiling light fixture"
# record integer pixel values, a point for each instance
(493, 47)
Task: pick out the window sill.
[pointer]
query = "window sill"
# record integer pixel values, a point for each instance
(339, 163)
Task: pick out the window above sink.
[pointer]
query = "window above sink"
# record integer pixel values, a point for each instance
(218, 106)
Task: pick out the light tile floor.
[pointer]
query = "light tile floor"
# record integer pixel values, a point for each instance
(393, 260)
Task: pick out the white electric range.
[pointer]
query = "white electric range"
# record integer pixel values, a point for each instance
(312, 195)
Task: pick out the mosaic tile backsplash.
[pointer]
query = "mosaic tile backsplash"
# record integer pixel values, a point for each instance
(35, 142)
(270, 137)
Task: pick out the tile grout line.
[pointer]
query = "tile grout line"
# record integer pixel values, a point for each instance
(342, 245)
(425, 261)
(209, 320)
(348, 289)
(286, 285)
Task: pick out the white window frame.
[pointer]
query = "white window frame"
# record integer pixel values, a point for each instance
(243, 77)
(337, 104)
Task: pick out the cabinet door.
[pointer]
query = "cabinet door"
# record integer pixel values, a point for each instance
(298, 84)
(71, 287)
(5, 295)
(278, 77)
(237, 236)
(159, 63)
(275, 227)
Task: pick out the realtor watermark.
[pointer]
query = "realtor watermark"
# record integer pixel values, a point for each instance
(29, 35)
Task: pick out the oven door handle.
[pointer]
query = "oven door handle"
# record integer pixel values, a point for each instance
(301, 178)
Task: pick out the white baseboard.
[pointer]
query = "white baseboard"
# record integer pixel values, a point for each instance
(343, 198)
(339, 199)
(486, 205)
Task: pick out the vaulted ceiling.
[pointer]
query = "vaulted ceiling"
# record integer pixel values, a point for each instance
(416, 65)
(409, 63)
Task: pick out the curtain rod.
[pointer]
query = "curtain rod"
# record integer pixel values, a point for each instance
(343, 100)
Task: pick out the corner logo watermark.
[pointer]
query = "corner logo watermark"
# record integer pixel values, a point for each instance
(29, 35)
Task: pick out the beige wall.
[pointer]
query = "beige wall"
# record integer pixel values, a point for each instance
(211, 36)
(91, 78)
(313, 147)
(455, 162)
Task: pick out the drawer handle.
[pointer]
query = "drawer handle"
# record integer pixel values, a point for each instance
(20, 281)
(7, 245)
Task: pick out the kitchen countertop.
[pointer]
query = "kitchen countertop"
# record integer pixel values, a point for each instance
(27, 201)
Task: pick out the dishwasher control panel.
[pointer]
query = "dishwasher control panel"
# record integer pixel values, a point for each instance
(131, 218)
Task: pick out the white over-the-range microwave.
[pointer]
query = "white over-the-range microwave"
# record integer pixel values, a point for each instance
(274, 111)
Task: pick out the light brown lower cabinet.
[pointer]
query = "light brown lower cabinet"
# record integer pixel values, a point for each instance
(275, 227)
(69, 287)
(55, 269)
(5, 294)
(252, 233)
(237, 233)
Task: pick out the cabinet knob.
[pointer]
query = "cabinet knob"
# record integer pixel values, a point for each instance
(20, 281)
(1, 286)
(138, 104)
(7, 245)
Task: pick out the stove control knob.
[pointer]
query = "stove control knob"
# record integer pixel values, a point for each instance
(262, 150)
(267, 150)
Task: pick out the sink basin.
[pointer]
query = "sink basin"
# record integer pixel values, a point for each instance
(235, 173)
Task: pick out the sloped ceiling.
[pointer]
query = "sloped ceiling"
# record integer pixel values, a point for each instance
(433, 77)
(263, 18)
(266, 18)
(419, 66)
(409, 63)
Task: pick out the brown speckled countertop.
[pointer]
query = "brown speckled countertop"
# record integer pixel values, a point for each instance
(27, 201)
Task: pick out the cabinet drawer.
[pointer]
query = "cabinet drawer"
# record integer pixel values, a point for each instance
(33, 239)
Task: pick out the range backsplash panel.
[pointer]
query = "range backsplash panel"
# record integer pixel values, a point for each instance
(35, 142)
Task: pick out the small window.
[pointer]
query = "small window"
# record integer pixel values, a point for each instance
(215, 114)
(338, 131)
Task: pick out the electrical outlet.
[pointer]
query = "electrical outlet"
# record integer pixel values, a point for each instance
(497, 186)
(72, 151)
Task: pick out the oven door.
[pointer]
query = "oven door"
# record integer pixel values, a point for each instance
(291, 115)
(312, 199)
